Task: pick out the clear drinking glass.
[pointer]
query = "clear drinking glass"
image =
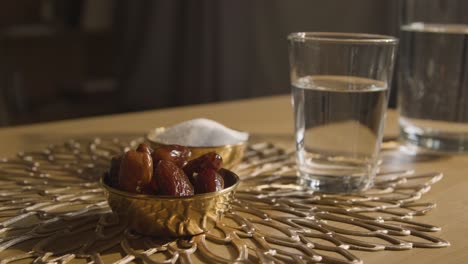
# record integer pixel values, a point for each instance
(433, 74)
(340, 86)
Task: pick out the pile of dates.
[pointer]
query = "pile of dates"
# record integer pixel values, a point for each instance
(166, 170)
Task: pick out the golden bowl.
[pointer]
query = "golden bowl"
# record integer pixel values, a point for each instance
(172, 216)
(232, 154)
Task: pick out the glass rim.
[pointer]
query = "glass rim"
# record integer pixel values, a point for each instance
(342, 37)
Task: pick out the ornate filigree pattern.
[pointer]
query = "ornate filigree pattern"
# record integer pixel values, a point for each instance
(52, 210)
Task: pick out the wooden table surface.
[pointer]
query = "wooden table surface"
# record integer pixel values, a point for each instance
(270, 118)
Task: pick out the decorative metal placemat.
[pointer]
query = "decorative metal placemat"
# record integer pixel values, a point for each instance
(52, 210)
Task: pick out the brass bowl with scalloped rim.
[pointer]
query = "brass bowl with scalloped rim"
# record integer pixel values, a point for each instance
(172, 216)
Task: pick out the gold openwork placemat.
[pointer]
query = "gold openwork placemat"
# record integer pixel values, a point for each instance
(52, 210)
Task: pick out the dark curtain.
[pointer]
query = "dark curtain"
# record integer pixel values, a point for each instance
(174, 52)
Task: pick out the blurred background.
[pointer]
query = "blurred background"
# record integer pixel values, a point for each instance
(77, 58)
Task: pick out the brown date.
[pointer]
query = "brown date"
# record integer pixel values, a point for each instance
(210, 160)
(136, 171)
(208, 180)
(154, 184)
(114, 171)
(143, 147)
(175, 153)
(171, 180)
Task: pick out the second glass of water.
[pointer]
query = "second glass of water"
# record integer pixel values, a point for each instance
(433, 74)
(340, 85)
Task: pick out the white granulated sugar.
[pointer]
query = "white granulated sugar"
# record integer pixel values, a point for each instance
(201, 132)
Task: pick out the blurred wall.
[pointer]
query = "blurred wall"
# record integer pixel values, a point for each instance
(53, 56)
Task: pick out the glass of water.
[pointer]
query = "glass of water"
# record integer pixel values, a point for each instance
(340, 86)
(433, 74)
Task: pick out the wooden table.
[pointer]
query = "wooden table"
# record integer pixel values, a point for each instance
(271, 119)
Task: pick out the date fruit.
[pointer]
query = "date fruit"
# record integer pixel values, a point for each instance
(114, 170)
(208, 180)
(171, 180)
(136, 171)
(175, 153)
(166, 171)
(210, 160)
(143, 147)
